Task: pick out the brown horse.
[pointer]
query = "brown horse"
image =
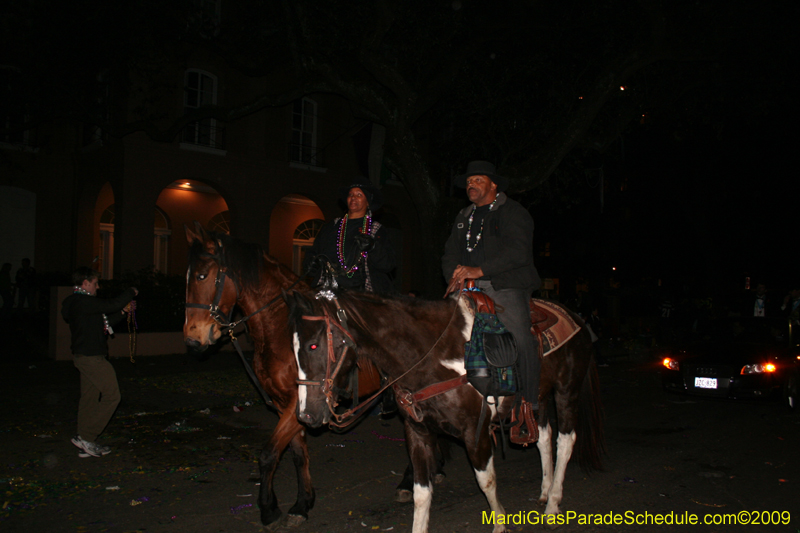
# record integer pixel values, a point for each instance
(421, 345)
(224, 272)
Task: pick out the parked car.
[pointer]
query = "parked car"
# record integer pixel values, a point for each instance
(739, 358)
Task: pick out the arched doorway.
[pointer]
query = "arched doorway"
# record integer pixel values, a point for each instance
(180, 204)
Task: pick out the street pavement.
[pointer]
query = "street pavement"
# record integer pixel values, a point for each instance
(187, 435)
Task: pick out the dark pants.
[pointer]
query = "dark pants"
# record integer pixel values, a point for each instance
(513, 310)
(99, 395)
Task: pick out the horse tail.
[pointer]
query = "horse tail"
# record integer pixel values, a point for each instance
(590, 444)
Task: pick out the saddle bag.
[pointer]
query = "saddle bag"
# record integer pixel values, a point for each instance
(491, 357)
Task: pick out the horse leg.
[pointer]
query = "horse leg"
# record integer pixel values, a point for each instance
(482, 460)
(403, 492)
(305, 491)
(565, 443)
(420, 449)
(545, 446)
(284, 432)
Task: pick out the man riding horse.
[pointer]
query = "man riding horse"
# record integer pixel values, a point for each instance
(492, 243)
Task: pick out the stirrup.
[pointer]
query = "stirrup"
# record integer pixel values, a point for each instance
(524, 431)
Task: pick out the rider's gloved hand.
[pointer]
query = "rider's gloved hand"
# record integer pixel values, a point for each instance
(365, 243)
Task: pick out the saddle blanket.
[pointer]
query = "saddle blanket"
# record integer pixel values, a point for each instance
(554, 322)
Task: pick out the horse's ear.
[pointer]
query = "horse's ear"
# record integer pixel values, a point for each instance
(297, 303)
(196, 235)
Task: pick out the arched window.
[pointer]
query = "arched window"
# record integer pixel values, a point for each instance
(304, 236)
(221, 222)
(161, 236)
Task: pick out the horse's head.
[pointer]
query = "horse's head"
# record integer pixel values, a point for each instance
(324, 360)
(211, 293)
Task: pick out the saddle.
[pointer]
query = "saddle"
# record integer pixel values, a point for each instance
(524, 429)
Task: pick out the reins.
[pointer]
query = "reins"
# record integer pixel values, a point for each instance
(214, 310)
(343, 420)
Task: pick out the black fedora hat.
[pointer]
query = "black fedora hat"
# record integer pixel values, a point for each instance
(373, 194)
(482, 168)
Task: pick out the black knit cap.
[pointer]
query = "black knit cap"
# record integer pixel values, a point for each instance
(373, 194)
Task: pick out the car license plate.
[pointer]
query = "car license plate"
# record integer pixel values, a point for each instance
(705, 383)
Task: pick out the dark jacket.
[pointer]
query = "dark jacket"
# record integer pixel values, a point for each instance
(508, 241)
(84, 314)
(380, 260)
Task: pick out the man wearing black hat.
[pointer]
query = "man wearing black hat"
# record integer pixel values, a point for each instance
(356, 245)
(492, 243)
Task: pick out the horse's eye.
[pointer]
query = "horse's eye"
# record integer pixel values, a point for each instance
(311, 346)
(201, 277)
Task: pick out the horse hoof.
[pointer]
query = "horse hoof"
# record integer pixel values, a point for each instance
(403, 496)
(439, 478)
(272, 521)
(294, 520)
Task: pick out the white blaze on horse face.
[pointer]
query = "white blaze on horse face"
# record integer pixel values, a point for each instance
(302, 390)
(422, 508)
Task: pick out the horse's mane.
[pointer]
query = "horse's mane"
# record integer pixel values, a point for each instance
(244, 260)
(353, 304)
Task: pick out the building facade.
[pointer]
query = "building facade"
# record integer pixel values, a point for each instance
(73, 194)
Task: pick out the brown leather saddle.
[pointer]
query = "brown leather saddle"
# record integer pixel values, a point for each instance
(524, 429)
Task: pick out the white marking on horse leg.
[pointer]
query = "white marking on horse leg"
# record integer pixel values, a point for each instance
(302, 390)
(422, 508)
(487, 481)
(566, 441)
(546, 453)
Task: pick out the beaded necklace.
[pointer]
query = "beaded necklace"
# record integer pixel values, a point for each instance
(106, 326)
(480, 232)
(366, 228)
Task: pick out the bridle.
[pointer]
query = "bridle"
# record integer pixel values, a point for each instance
(213, 309)
(224, 322)
(326, 383)
(333, 367)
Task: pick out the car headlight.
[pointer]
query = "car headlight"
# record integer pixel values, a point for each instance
(671, 364)
(758, 369)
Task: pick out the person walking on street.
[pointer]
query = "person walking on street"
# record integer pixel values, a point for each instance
(91, 320)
